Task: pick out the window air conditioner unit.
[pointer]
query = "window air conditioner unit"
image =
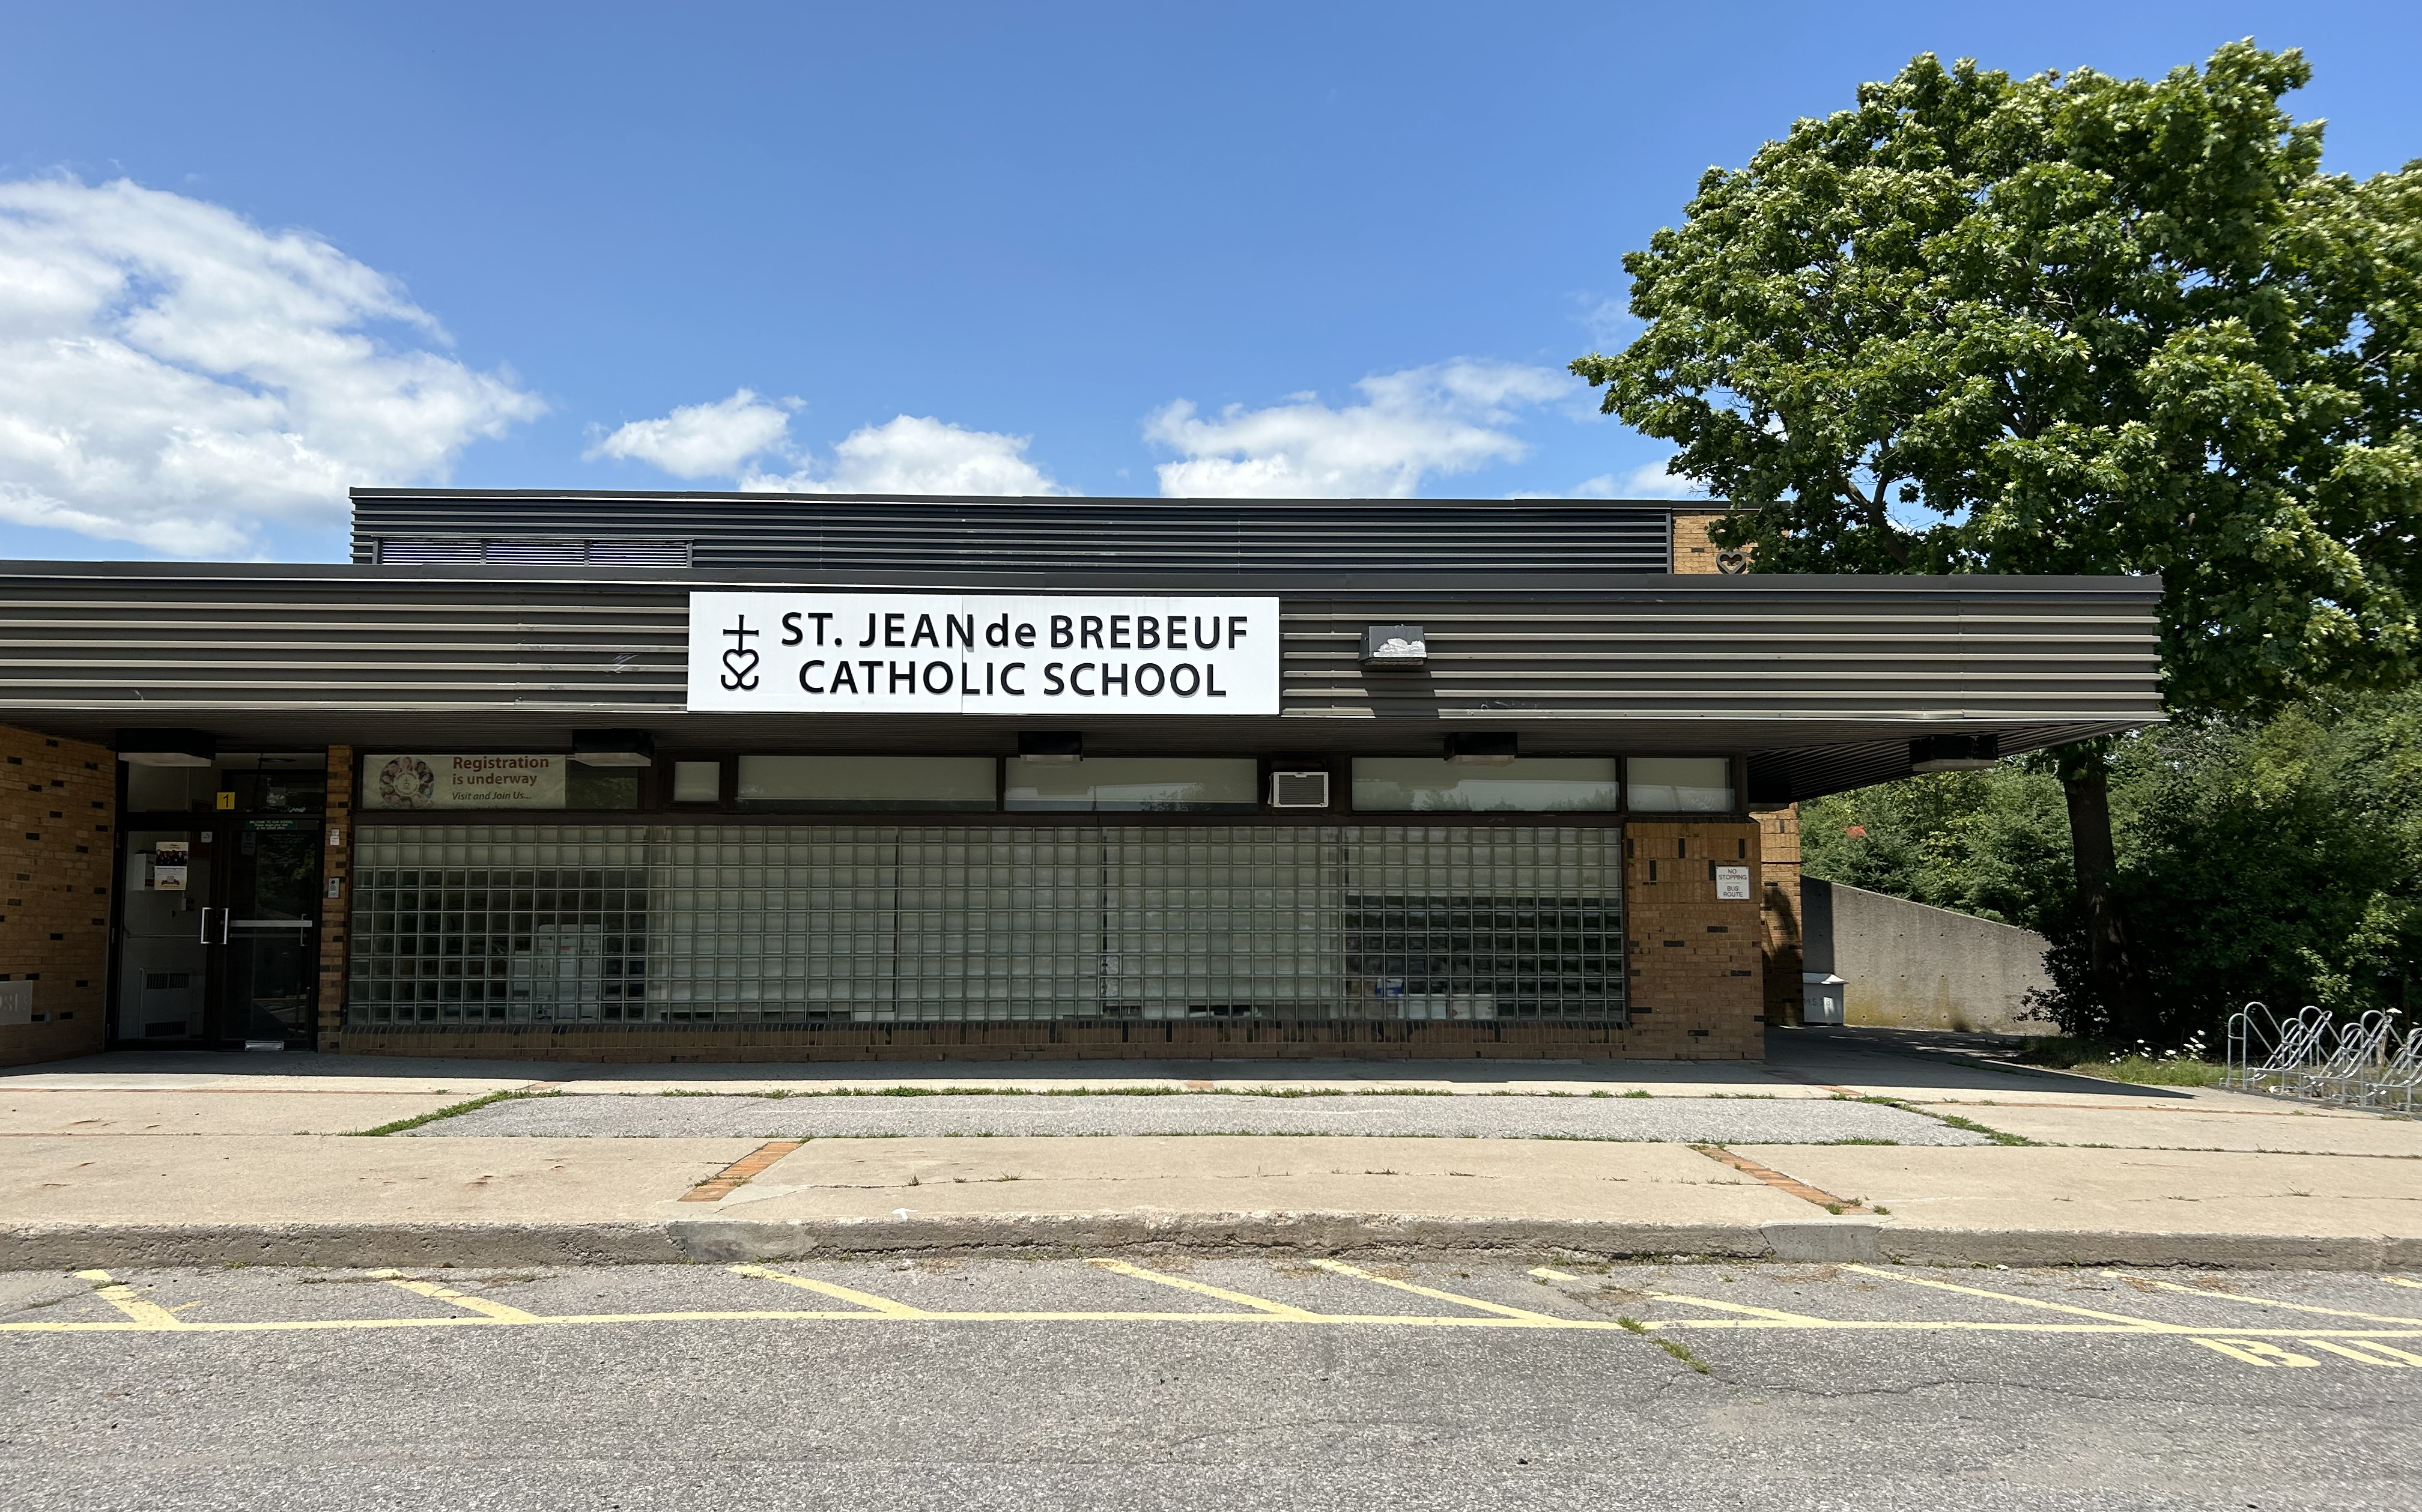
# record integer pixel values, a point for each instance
(1298, 790)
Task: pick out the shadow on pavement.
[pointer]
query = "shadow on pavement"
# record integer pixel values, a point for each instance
(1932, 1061)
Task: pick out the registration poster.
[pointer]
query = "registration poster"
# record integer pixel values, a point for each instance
(464, 782)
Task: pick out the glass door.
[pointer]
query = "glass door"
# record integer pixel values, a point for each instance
(169, 928)
(219, 937)
(268, 945)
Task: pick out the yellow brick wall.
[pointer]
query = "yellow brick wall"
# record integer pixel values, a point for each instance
(1696, 961)
(59, 818)
(1692, 551)
(1779, 833)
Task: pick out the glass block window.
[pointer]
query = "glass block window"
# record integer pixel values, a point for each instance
(1681, 784)
(502, 924)
(889, 923)
(1134, 784)
(1528, 784)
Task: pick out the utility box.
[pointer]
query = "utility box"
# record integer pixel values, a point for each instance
(1826, 995)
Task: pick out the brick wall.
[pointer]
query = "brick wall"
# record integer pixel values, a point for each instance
(1692, 551)
(336, 908)
(1696, 961)
(1779, 904)
(1778, 829)
(58, 823)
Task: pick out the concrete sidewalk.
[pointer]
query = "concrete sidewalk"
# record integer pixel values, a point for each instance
(154, 1160)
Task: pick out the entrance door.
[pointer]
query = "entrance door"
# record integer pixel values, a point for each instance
(168, 932)
(268, 946)
(220, 934)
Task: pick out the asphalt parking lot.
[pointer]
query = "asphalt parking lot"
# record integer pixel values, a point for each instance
(1190, 1383)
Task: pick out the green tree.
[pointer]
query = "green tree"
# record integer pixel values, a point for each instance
(2067, 323)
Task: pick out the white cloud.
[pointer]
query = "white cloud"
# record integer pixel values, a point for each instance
(703, 440)
(913, 454)
(1446, 418)
(1608, 321)
(1648, 480)
(174, 376)
(1651, 481)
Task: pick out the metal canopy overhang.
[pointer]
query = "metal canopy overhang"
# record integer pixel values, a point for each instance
(1820, 682)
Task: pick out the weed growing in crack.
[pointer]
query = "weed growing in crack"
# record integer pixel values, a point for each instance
(1677, 1350)
(455, 1110)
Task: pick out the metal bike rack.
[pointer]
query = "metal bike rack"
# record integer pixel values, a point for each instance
(2312, 1056)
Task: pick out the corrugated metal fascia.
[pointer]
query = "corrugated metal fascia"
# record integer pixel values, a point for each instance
(285, 638)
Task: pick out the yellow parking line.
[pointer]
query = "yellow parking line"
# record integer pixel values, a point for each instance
(2363, 1345)
(2254, 1352)
(120, 1296)
(2264, 1301)
(2398, 1358)
(1260, 1304)
(1919, 1325)
(873, 1303)
(2401, 1280)
(2146, 1323)
(166, 1322)
(1340, 1268)
(481, 1305)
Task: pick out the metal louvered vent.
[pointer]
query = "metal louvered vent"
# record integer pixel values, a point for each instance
(824, 532)
(515, 552)
(414, 553)
(639, 553)
(410, 551)
(1298, 790)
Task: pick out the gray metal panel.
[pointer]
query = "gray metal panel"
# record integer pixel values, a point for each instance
(1822, 681)
(881, 533)
(1756, 648)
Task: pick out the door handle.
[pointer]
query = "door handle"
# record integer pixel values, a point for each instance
(204, 938)
(225, 916)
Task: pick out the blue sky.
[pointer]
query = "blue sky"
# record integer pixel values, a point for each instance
(551, 245)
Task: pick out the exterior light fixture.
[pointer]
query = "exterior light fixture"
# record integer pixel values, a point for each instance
(1051, 747)
(167, 748)
(1482, 748)
(1954, 754)
(1393, 648)
(613, 748)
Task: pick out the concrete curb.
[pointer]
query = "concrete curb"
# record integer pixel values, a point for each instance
(67, 1246)
(84, 1246)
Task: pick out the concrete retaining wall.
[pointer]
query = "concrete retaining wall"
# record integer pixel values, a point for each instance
(1911, 966)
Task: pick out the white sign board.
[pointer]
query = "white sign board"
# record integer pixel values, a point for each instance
(463, 783)
(169, 859)
(1732, 883)
(812, 652)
